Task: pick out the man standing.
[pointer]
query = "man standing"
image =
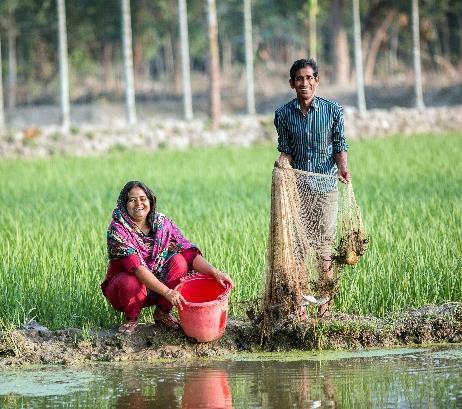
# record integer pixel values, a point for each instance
(311, 138)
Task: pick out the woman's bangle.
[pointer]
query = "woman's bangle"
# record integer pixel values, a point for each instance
(168, 292)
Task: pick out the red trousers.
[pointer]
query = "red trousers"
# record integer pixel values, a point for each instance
(127, 294)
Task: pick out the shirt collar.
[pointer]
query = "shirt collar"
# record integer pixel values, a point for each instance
(314, 104)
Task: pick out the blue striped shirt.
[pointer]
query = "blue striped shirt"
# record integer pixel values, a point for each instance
(313, 139)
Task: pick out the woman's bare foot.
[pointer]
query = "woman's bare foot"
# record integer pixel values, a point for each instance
(128, 327)
(166, 319)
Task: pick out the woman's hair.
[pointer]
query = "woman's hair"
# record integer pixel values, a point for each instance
(123, 196)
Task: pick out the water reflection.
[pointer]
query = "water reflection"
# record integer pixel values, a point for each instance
(394, 379)
(292, 385)
(204, 388)
(208, 388)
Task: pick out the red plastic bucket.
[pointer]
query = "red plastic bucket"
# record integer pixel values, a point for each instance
(205, 312)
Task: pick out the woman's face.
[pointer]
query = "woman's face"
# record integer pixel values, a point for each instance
(138, 205)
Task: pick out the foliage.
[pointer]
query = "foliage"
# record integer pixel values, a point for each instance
(280, 35)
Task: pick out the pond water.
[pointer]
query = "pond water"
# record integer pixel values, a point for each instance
(393, 378)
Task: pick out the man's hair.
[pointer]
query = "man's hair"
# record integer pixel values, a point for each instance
(123, 196)
(302, 64)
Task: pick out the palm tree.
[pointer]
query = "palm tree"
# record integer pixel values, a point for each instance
(249, 57)
(313, 11)
(185, 65)
(214, 65)
(12, 62)
(358, 58)
(417, 67)
(339, 41)
(63, 67)
(2, 112)
(128, 62)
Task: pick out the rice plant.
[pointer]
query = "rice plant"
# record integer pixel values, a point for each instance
(54, 214)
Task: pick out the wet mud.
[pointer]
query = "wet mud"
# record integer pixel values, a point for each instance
(423, 326)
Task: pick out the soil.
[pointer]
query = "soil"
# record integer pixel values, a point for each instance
(38, 345)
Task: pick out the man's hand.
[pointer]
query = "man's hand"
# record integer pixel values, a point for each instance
(283, 161)
(344, 175)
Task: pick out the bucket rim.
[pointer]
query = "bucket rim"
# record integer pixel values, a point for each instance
(198, 276)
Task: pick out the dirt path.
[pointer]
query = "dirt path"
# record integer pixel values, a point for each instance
(429, 324)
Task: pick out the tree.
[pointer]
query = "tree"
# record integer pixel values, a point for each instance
(128, 62)
(185, 65)
(214, 65)
(313, 11)
(358, 58)
(416, 53)
(249, 57)
(377, 40)
(12, 62)
(2, 112)
(63, 67)
(340, 53)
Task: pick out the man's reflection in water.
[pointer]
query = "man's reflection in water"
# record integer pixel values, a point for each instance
(329, 397)
(207, 388)
(203, 388)
(293, 386)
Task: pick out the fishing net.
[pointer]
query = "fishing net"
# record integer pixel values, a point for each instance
(312, 218)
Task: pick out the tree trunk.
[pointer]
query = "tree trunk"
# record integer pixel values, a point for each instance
(108, 66)
(375, 44)
(394, 47)
(214, 65)
(185, 64)
(340, 52)
(358, 58)
(12, 63)
(416, 52)
(226, 62)
(249, 57)
(170, 62)
(128, 62)
(313, 7)
(459, 20)
(63, 67)
(2, 111)
(138, 72)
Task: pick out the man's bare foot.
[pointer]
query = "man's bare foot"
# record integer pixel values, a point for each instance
(327, 265)
(324, 311)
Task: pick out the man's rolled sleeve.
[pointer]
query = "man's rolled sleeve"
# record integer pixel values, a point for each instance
(338, 132)
(283, 134)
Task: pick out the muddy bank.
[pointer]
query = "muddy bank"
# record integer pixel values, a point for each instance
(429, 324)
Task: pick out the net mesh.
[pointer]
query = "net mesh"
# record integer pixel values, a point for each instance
(312, 219)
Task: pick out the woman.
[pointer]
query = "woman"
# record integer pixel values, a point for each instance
(148, 256)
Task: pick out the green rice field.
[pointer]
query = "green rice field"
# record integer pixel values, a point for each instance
(54, 214)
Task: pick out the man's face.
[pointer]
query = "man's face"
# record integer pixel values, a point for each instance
(305, 83)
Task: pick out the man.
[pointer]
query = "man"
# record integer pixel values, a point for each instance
(311, 138)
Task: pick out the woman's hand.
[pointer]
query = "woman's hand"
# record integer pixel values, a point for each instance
(175, 298)
(223, 278)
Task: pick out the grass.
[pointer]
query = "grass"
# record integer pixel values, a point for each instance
(54, 214)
